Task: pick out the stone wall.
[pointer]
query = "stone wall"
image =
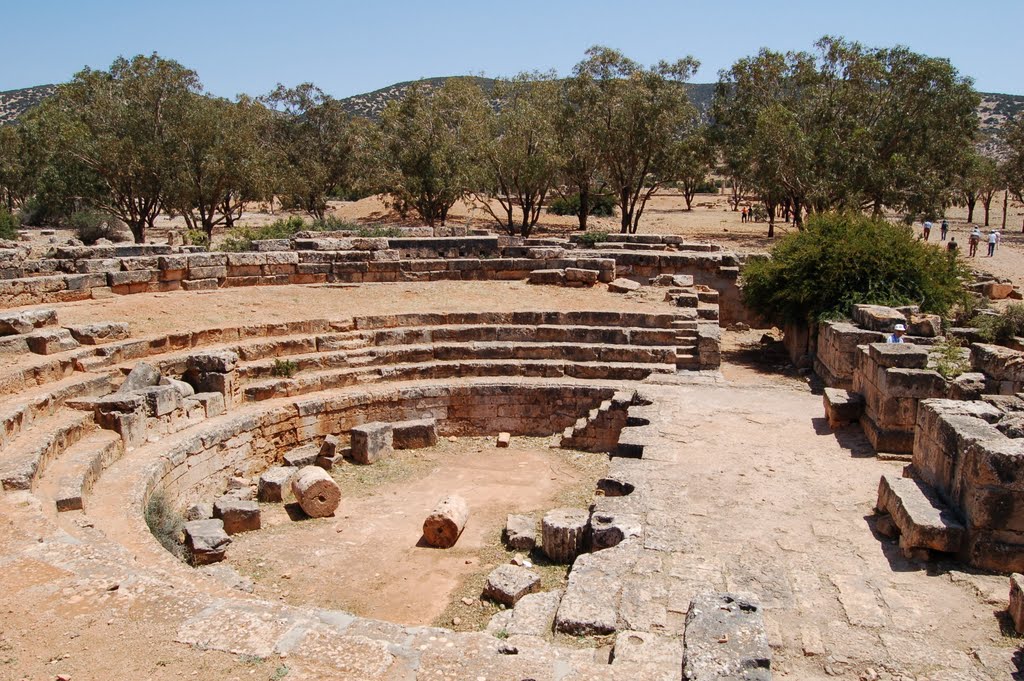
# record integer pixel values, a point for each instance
(199, 465)
(836, 354)
(962, 453)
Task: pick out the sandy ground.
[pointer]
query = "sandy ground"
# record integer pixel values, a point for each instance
(369, 559)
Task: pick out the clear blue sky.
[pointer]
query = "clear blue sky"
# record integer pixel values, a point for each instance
(352, 47)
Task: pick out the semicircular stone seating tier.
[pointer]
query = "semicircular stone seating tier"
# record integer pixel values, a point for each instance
(101, 429)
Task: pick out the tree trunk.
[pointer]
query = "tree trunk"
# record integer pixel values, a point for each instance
(1006, 202)
(446, 522)
(316, 492)
(987, 204)
(138, 228)
(627, 216)
(971, 201)
(771, 219)
(798, 219)
(584, 207)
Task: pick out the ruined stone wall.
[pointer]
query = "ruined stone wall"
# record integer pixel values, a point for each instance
(198, 466)
(961, 452)
(836, 351)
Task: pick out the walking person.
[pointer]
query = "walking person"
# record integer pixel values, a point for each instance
(952, 246)
(993, 238)
(743, 214)
(927, 229)
(944, 229)
(973, 241)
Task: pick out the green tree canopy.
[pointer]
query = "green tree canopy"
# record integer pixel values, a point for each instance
(841, 259)
(428, 145)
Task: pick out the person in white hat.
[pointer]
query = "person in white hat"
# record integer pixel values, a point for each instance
(897, 334)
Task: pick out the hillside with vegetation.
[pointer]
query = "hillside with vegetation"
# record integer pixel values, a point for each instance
(13, 103)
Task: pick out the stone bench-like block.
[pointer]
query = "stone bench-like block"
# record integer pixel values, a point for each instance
(924, 521)
(898, 355)
(371, 442)
(508, 583)
(238, 515)
(415, 434)
(725, 639)
(842, 407)
(274, 483)
(877, 317)
(206, 541)
(521, 532)
(301, 456)
(12, 323)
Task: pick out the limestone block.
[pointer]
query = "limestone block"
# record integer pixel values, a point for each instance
(898, 355)
(1012, 426)
(842, 407)
(997, 362)
(100, 332)
(183, 389)
(968, 386)
(1017, 601)
(580, 276)
(611, 529)
(50, 341)
(725, 639)
(623, 286)
(371, 442)
(521, 532)
(12, 323)
(301, 456)
(141, 376)
(238, 515)
(554, 277)
(415, 434)
(273, 483)
(212, 402)
(994, 290)
(927, 325)
(503, 440)
(877, 317)
(508, 583)
(200, 284)
(925, 522)
(206, 541)
(534, 614)
(221, 362)
(160, 399)
(591, 600)
(200, 511)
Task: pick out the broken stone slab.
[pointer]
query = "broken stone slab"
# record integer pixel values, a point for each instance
(183, 388)
(590, 605)
(238, 515)
(227, 575)
(877, 317)
(212, 402)
(508, 583)
(1012, 426)
(371, 442)
(301, 456)
(611, 529)
(547, 277)
(679, 280)
(99, 332)
(206, 541)
(725, 639)
(534, 614)
(927, 325)
(25, 321)
(623, 286)
(581, 277)
(273, 483)
(414, 434)
(521, 532)
(1017, 601)
(141, 376)
(329, 453)
(647, 648)
(200, 511)
(50, 341)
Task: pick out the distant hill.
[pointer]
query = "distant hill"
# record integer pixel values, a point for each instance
(994, 111)
(13, 103)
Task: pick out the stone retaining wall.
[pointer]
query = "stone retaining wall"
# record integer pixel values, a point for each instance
(199, 465)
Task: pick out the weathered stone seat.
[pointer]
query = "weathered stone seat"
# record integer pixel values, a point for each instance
(85, 462)
(924, 521)
(25, 459)
(842, 407)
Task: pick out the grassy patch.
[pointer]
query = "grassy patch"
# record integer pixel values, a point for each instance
(166, 524)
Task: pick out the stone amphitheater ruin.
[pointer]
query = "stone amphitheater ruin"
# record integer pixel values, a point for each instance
(736, 531)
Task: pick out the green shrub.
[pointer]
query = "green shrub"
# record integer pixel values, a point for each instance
(91, 225)
(197, 237)
(165, 524)
(841, 259)
(284, 368)
(591, 238)
(1001, 328)
(950, 359)
(372, 232)
(9, 224)
(600, 205)
(965, 311)
(241, 238)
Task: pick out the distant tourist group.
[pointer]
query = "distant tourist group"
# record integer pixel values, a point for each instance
(993, 238)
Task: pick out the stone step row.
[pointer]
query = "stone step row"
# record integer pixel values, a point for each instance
(599, 429)
(446, 352)
(28, 456)
(83, 465)
(922, 520)
(39, 404)
(328, 380)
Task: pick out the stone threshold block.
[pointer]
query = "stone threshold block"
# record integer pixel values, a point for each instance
(924, 521)
(725, 639)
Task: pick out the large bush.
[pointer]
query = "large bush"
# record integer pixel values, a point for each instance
(241, 238)
(90, 226)
(839, 260)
